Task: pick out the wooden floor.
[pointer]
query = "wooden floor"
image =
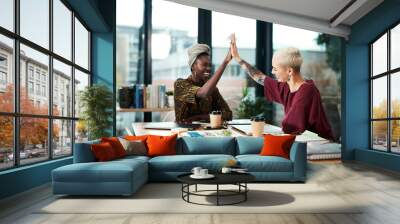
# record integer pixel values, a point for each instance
(377, 188)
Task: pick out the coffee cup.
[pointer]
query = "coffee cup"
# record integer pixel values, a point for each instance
(203, 172)
(196, 171)
(216, 119)
(226, 170)
(257, 126)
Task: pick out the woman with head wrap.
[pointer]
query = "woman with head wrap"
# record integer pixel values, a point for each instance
(198, 95)
(300, 97)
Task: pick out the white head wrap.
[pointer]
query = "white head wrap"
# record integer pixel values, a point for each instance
(196, 50)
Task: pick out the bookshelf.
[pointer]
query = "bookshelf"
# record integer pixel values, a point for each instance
(146, 109)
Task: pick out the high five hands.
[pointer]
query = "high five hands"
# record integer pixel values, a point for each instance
(233, 48)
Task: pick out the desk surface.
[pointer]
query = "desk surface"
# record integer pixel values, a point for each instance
(232, 130)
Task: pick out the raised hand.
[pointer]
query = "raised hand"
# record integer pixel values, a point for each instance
(234, 50)
(228, 56)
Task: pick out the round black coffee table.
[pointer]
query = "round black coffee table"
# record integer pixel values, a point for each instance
(238, 179)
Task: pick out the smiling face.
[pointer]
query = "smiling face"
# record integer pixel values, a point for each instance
(280, 71)
(201, 68)
(286, 62)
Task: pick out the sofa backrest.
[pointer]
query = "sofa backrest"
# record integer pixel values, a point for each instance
(209, 145)
(248, 145)
(192, 146)
(83, 152)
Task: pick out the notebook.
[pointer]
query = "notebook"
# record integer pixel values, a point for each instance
(170, 125)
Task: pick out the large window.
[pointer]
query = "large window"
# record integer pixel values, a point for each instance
(48, 81)
(7, 14)
(7, 74)
(81, 45)
(321, 63)
(172, 36)
(385, 96)
(129, 53)
(171, 32)
(62, 44)
(34, 23)
(234, 79)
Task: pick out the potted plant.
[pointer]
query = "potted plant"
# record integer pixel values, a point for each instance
(96, 102)
(251, 106)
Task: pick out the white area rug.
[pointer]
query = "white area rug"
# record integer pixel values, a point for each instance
(166, 198)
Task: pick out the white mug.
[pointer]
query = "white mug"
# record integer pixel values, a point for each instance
(203, 172)
(226, 170)
(196, 170)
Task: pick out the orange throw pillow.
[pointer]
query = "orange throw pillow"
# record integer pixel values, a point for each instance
(116, 145)
(135, 138)
(103, 152)
(161, 145)
(277, 145)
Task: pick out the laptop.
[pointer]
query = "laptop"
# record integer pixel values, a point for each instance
(170, 125)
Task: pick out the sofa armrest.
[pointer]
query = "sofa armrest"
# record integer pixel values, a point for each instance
(83, 152)
(298, 155)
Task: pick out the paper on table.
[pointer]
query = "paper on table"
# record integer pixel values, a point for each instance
(275, 130)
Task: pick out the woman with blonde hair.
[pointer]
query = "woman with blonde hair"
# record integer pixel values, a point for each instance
(300, 98)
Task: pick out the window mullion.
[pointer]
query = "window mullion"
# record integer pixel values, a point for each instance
(73, 81)
(16, 84)
(50, 81)
(389, 106)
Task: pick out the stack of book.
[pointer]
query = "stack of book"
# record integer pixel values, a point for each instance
(150, 96)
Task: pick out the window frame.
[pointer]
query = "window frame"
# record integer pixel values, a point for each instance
(18, 40)
(388, 74)
(204, 35)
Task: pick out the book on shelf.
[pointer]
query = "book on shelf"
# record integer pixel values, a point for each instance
(145, 91)
(161, 96)
(150, 96)
(139, 95)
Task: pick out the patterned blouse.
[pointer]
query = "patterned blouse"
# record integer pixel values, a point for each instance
(187, 104)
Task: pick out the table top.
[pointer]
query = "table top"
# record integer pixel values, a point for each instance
(234, 129)
(220, 178)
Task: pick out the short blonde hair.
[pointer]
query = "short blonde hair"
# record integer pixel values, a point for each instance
(289, 57)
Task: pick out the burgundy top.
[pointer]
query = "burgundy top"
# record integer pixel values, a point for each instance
(303, 108)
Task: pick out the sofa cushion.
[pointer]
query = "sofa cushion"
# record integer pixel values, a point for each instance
(161, 145)
(277, 145)
(199, 146)
(103, 152)
(249, 145)
(257, 163)
(116, 145)
(132, 157)
(185, 163)
(135, 138)
(112, 171)
(134, 147)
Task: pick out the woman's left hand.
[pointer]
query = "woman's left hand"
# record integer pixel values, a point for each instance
(233, 48)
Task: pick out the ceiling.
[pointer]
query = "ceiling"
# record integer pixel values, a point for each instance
(326, 16)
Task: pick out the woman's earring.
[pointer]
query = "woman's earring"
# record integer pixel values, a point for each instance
(290, 76)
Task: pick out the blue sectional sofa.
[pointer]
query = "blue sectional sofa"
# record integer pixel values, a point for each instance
(125, 176)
